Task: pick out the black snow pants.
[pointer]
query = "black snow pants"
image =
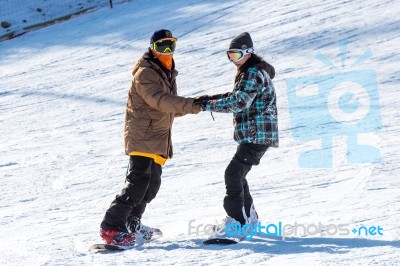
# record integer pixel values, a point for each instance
(143, 181)
(237, 188)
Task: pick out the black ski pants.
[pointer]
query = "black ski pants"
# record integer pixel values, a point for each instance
(237, 188)
(143, 181)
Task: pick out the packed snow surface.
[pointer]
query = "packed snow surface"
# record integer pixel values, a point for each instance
(63, 92)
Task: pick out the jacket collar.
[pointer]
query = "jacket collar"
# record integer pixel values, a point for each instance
(256, 61)
(155, 63)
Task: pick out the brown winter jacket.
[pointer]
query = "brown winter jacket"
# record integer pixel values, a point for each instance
(152, 105)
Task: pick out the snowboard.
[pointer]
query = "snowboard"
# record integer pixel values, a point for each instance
(139, 242)
(220, 241)
(109, 247)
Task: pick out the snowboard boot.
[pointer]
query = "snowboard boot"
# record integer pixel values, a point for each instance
(143, 233)
(117, 238)
(232, 229)
(253, 218)
(229, 228)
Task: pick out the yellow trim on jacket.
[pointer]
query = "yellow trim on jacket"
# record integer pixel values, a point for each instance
(157, 158)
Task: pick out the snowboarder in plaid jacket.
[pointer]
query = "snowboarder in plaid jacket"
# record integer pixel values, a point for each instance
(253, 104)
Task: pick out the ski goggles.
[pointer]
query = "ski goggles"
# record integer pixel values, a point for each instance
(235, 55)
(165, 46)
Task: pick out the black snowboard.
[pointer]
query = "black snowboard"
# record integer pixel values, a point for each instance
(109, 247)
(220, 241)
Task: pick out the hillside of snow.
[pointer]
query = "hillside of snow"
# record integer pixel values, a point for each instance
(63, 92)
(21, 16)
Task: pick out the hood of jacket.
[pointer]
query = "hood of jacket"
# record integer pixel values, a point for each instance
(257, 61)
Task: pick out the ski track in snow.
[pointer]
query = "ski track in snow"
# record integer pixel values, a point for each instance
(62, 97)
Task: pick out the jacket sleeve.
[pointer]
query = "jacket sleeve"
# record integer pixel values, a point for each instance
(242, 96)
(179, 115)
(149, 88)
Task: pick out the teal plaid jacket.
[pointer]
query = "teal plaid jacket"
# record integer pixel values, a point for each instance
(253, 104)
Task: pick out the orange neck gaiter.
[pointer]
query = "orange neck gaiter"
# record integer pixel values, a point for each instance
(165, 59)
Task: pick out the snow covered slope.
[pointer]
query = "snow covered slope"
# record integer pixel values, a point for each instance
(62, 97)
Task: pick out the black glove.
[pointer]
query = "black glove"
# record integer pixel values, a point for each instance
(204, 98)
(201, 99)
